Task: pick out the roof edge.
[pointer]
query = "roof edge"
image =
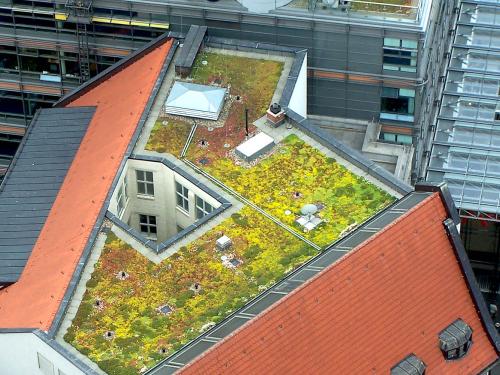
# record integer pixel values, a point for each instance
(444, 192)
(475, 292)
(112, 70)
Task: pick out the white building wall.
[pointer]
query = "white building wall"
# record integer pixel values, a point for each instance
(298, 100)
(19, 356)
(164, 203)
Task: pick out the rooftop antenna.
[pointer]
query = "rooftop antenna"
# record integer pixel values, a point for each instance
(246, 122)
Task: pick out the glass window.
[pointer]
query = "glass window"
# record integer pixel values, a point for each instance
(400, 55)
(147, 224)
(182, 193)
(202, 208)
(397, 104)
(392, 42)
(412, 44)
(145, 183)
(122, 197)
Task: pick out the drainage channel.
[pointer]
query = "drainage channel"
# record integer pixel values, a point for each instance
(188, 140)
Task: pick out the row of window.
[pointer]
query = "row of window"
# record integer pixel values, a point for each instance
(47, 367)
(145, 186)
(454, 342)
(148, 223)
(400, 55)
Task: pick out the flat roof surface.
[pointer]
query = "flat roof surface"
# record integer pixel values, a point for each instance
(34, 300)
(391, 296)
(33, 182)
(267, 244)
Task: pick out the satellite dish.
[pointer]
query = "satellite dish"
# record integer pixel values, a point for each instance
(309, 209)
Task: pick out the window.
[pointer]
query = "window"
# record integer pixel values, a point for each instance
(122, 197)
(455, 340)
(45, 366)
(397, 104)
(147, 223)
(202, 208)
(145, 184)
(182, 193)
(396, 138)
(400, 55)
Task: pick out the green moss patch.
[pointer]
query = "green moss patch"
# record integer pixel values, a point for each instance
(297, 174)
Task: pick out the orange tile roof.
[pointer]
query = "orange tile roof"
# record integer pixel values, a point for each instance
(34, 300)
(388, 298)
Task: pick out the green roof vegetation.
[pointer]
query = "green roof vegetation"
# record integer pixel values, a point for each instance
(403, 7)
(141, 335)
(297, 174)
(169, 134)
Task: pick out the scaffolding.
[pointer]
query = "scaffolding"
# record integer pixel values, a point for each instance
(80, 12)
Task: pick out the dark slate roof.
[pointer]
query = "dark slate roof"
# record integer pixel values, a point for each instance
(33, 181)
(191, 46)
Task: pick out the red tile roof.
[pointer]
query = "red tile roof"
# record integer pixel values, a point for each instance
(388, 298)
(34, 300)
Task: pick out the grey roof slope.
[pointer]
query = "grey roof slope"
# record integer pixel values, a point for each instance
(33, 181)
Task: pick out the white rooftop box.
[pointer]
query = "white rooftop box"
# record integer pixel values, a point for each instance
(223, 243)
(254, 147)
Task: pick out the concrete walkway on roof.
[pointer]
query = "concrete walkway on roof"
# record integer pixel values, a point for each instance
(76, 301)
(362, 136)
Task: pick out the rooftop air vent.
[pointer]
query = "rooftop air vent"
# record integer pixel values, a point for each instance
(223, 243)
(411, 365)
(275, 108)
(455, 340)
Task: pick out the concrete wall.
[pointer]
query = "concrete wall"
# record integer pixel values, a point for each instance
(298, 100)
(164, 203)
(19, 356)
